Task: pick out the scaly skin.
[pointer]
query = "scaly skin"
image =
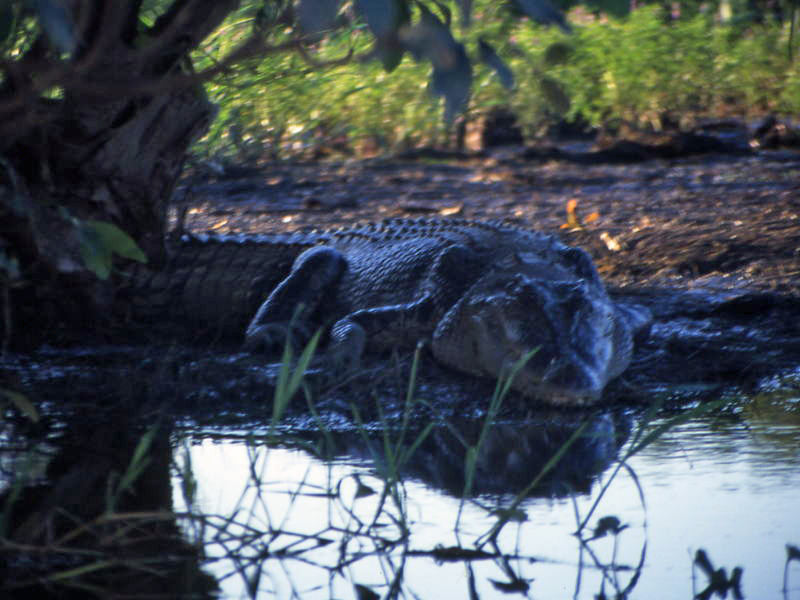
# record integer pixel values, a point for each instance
(483, 295)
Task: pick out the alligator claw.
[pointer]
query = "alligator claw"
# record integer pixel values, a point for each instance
(272, 338)
(348, 340)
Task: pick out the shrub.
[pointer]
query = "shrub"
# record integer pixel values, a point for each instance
(632, 70)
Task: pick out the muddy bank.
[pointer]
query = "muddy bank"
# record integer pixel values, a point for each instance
(711, 221)
(710, 244)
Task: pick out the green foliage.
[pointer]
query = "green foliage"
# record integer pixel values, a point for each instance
(117, 485)
(290, 375)
(637, 70)
(100, 241)
(634, 70)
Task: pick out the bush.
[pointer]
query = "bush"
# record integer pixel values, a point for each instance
(634, 70)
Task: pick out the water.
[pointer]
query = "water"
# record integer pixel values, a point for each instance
(298, 513)
(727, 484)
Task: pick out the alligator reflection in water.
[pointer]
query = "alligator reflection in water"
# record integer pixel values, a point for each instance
(312, 527)
(509, 455)
(723, 483)
(100, 517)
(412, 539)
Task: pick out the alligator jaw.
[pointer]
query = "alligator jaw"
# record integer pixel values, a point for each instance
(570, 334)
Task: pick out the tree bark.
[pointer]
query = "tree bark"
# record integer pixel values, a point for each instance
(108, 145)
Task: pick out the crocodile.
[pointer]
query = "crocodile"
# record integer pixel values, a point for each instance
(483, 296)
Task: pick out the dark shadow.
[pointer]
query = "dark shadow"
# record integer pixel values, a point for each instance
(77, 531)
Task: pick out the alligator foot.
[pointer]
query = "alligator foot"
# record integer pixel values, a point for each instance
(348, 340)
(272, 338)
(286, 313)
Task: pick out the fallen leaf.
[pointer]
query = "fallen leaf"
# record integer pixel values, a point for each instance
(611, 242)
(573, 220)
(451, 210)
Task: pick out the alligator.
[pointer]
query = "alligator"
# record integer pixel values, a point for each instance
(483, 296)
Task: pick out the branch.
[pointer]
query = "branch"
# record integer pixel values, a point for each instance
(183, 27)
(322, 64)
(73, 80)
(112, 69)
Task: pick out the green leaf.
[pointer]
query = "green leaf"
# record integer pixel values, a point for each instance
(22, 403)
(117, 240)
(291, 378)
(303, 363)
(96, 257)
(139, 461)
(409, 452)
(100, 240)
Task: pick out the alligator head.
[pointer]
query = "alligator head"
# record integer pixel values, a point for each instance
(579, 338)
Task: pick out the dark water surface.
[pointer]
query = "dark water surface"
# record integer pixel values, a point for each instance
(297, 510)
(728, 485)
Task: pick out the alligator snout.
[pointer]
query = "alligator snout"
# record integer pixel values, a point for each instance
(576, 383)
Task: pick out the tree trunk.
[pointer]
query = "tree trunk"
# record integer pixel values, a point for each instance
(109, 148)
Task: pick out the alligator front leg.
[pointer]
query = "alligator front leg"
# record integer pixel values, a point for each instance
(285, 315)
(384, 327)
(391, 326)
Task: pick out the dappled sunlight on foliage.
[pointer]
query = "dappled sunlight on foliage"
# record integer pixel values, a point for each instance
(642, 70)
